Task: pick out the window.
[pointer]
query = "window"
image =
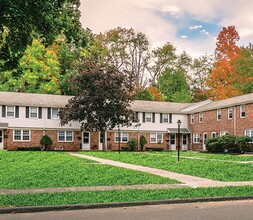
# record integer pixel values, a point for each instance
(10, 111)
(242, 111)
(148, 117)
(213, 134)
(135, 117)
(121, 136)
(196, 138)
(249, 133)
(33, 112)
(21, 135)
(65, 136)
(222, 133)
(192, 118)
(54, 113)
(200, 117)
(230, 112)
(218, 114)
(156, 138)
(165, 118)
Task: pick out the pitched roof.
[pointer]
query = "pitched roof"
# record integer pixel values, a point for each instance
(32, 99)
(159, 107)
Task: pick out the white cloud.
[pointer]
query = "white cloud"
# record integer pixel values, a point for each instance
(194, 27)
(143, 15)
(184, 36)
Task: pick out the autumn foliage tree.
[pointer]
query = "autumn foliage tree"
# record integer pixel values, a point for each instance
(101, 100)
(224, 77)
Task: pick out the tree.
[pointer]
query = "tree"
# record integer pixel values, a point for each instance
(20, 20)
(173, 85)
(143, 141)
(101, 100)
(224, 77)
(144, 95)
(200, 71)
(38, 71)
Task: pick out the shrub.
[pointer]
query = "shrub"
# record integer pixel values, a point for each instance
(132, 144)
(214, 145)
(143, 141)
(45, 142)
(32, 148)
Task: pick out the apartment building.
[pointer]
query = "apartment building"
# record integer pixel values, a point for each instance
(26, 117)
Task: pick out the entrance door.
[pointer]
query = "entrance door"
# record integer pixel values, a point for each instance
(204, 138)
(1, 139)
(172, 142)
(100, 147)
(86, 141)
(184, 142)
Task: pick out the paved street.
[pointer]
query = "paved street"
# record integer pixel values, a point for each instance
(229, 210)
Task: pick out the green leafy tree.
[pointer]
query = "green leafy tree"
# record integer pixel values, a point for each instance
(144, 95)
(143, 142)
(173, 85)
(101, 100)
(132, 144)
(45, 142)
(20, 20)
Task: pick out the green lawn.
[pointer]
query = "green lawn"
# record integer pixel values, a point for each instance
(119, 196)
(212, 166)
(25, 170)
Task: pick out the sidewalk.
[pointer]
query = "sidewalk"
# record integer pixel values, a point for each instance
(186, 180)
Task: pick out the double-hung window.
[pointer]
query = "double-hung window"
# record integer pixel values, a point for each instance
(230, 112)
(192, 118)
(242, 111)
(34, 112)
(196, 138)
(65, 136)
(200, 117)
(21, 135)
(10, 111)
(121, 137)
(148, 117)
(156, 138)
(55, 113)
(249, 133)
(218, 114)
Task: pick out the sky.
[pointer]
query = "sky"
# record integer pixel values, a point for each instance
(190, 25)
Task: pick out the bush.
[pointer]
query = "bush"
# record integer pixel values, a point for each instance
(143, 141)
(228, 143)
(132, 144)
(45, 142)
(154, 149)
(32, 148)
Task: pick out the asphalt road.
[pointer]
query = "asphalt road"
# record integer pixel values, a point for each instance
(229, 210)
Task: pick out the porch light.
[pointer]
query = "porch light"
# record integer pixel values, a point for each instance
(178, 139)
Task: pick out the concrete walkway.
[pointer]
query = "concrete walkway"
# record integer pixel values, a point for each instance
(187, 180)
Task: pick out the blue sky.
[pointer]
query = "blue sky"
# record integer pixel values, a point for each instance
(191, 26)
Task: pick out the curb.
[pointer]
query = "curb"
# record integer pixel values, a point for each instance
(30, 209)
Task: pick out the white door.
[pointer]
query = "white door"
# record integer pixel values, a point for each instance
(1, 139)
(172, 142)
(100, 147)
(184, 142)
(86, 141)
(204, 138)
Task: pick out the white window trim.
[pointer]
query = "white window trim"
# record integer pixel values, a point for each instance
(157, 141)
(192, 118)
(230, 109)
(241, 107)
(22, 136)
(166, 118)
(121, 141)
(30, 112)
(195, 137)
(251, 134)
(218, 113)
(52, 113)
(222, 133)
(146, 117)
(200, 117)
(65, 136)
(6, 111)
(213, 134)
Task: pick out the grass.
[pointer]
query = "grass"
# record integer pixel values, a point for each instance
(119, 196)
(26, 170)
(213, 166)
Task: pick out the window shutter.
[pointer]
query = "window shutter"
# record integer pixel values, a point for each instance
(27, 112)
(40, 112)
(161, 117)
(143, 117)
(3, 111)
(16, 111)
(49, 113)
(153, 117)
(170, 120)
